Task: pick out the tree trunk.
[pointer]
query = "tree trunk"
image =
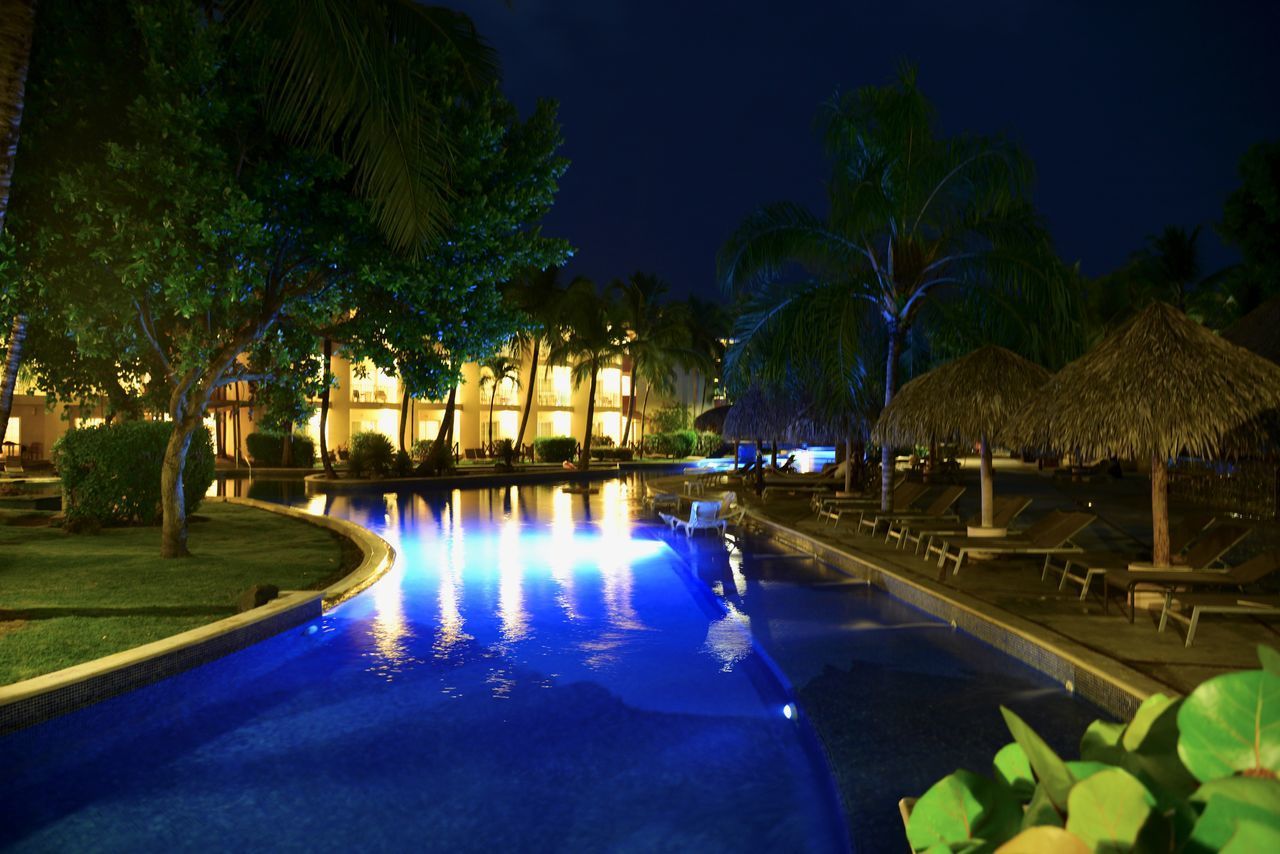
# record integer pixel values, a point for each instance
(631, 407)
(235, 423)
(17, 26)
(445, 434)
(286, 445)
(404, 418)
(492, 395)
(737, 445)
(1159, 511)
(585, 462)
(644, 405)
(988, 483)
(220, 424)
(773, 455)
(324, 413)
(173, 527)
(886, 449)
(528, 398)
(13, 359)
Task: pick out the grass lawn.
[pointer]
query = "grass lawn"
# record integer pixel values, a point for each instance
(66, 599)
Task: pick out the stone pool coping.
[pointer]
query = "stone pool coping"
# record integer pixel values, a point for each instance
(319, 483)
(1109, 684)
(49, 695)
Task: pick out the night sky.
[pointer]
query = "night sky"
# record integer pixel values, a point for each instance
(682, 117)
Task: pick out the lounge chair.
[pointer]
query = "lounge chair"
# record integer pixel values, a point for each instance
(903, 497)
(1203, 554)
(702, 515)
(1169, 580)
(939, 508)
(1048, 536)
(922, 531)
(1254, 569)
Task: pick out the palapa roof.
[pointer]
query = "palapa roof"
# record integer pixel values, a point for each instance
(1160, 385)
(712, 421)
(961, 401)
(759, 414)
(1259, 330)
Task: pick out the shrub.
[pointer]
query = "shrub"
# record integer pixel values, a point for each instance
(706, 444)
(669, 419)
(267, 449)
(421, 450)
(602, 441)
(371, 453)
(505, 451)
(438, 458)
(554, 449)
(1189, 774)
(676, 445)
(111, 473)
(612, 454)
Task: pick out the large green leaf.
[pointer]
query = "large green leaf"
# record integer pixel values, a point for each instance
(1041, 811)
(1270, 658)
(1228, 802)
(1230, 724)
(1085, 770)
(1101, 742)
(1044, 840)
(1253, 836)
(1013, 769)
(1109, 809)
(1050, 770)
(963, 806)
(1155, 714)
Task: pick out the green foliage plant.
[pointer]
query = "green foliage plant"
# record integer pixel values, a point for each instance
(421, 450)
(554, 449)
(668, 419)
(1188, 775)
(111, 473)
(617, 455)
(371, 454)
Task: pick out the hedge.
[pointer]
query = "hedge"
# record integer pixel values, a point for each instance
(554, 449)
(267, 449)
(676, 445)
(111, 473)
(621, 455)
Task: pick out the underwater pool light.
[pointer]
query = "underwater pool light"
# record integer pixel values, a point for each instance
(788, 711)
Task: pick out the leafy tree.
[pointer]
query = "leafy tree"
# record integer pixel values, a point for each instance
(1251, 223)
(592, 336)
(17, 27)
(189, 234)
(337, 76)
(912, 216)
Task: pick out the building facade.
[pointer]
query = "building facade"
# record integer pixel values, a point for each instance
(365, 398)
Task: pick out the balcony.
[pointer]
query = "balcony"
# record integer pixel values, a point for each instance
(507, 397)
(608, 400)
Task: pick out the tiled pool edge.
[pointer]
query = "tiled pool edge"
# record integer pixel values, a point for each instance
(41, 698)
(1109, 684)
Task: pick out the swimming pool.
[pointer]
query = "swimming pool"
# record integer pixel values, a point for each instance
(540, 671)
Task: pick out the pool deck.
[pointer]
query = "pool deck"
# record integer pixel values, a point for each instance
(1010, 592)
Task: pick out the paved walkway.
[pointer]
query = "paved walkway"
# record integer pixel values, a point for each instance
(1013, 586)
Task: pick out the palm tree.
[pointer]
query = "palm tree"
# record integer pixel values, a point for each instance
(537, 296)
(494, 371)
(658, 336)
(593, 337)
(345, 75)
(17, 26)
(911, 215)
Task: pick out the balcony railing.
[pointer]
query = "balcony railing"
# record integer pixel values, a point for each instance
(553, 398)
(609, 401)
(507, 398)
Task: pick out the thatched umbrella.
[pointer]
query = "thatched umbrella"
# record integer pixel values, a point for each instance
(1159, 386)
(1259, 330)
(967, 400)
(759, 413)
(712, 421)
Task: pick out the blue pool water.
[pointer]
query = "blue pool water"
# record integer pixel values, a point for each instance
(539, 672)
